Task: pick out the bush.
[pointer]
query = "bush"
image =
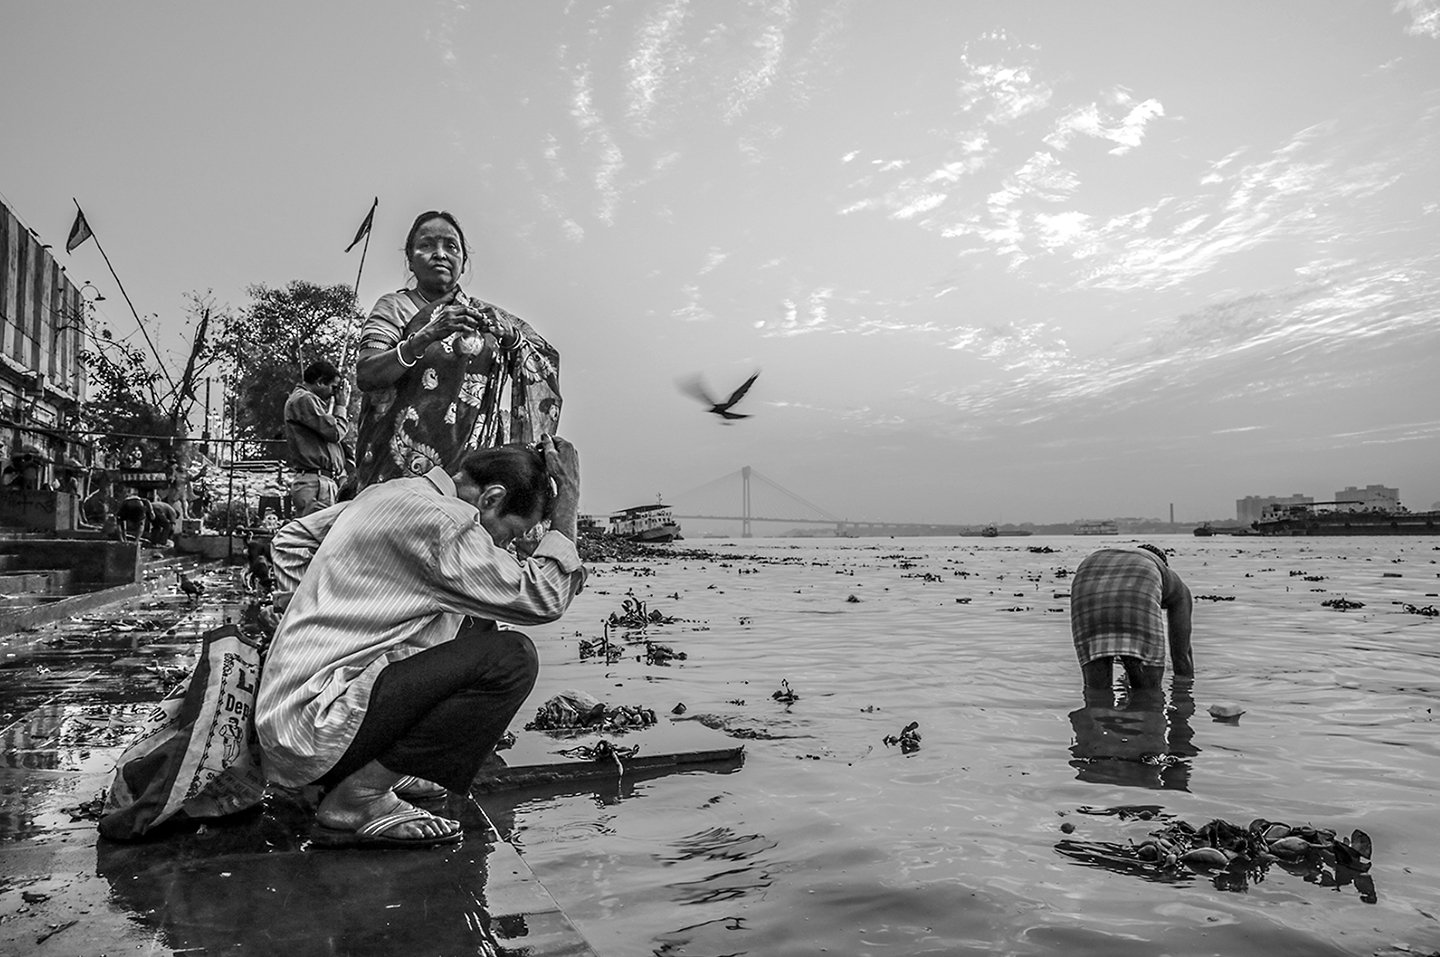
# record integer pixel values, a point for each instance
(237, 516)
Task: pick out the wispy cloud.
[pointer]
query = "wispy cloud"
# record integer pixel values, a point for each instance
(714, 257)
(601, 148)
(1122, 121)
(1322, 334)
(1300, 191)
(692, 310)
(1001, 93)
(800, 317)
(660, 53)
(1424, 17)
(761, 70)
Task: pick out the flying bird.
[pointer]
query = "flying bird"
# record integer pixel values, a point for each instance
(696, 386)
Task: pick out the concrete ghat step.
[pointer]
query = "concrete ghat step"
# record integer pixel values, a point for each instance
(251, 883)
(26, 582)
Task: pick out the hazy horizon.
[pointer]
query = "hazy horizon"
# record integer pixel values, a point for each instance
(996, 262)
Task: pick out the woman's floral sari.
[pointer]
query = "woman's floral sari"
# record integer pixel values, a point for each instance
(464, 393)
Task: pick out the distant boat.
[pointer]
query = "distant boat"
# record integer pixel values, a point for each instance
(994, 531)
(1207, 529)
(1304, 520)
(652, 524)
(1102, 527)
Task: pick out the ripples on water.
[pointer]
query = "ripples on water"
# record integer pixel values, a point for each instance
(827, 840)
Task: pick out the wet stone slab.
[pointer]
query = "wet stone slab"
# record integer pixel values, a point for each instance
(251, 884)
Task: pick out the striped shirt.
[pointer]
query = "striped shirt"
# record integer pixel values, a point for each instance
(396, 572)
(294, 544)
(1116, 600)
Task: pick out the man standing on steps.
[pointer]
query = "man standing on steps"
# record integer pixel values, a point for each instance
(314, 433)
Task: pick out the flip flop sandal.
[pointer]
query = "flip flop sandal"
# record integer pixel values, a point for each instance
(411, 788)
(375, 833)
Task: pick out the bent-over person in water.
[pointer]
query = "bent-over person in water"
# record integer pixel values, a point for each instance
(1125, 603)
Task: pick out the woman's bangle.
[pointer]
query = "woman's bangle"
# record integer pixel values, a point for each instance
(400, 354)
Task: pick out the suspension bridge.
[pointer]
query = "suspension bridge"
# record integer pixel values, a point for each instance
(763, 500)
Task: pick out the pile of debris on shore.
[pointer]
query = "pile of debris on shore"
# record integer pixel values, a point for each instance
(606, 548)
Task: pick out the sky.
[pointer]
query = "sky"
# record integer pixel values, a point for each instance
(995, 261)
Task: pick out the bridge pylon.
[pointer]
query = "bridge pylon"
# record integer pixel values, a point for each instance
(745, 502)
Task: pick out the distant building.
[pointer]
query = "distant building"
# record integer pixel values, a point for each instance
(1379, 497)
(1252, 508)
(42, 383)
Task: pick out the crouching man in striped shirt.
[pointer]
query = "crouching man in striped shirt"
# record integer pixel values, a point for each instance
(377, 685)
(1117, 597)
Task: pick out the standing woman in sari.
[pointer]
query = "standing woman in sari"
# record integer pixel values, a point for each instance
(436, 367)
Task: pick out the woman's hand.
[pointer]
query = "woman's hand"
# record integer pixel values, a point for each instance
(443, 318)
(505, 330)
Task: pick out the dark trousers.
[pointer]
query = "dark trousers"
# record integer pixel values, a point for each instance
(437, 714)
(1099, 673)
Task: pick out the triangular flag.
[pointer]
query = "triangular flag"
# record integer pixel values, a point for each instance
(364, 229)
(79, 231)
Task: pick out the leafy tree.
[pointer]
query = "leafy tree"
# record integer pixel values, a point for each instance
(133, 403)
(269, 342)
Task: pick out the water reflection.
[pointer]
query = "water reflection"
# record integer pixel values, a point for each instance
(1135, 737)
(250, 884)
(748, 877)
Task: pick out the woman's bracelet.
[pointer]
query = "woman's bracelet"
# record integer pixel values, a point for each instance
(400, 354)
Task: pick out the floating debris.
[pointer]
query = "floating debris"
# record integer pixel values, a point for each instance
(603, 647)
(908, 740)
(55, 929)
(658, 654)
(637, 616)
(722, 724)
(1342, 604)
(1429, 611)
(90, 810)
(577, 711)
(852, 600)
(603, 750)
(1239, 855)
(1226, 712)
(1214, 597)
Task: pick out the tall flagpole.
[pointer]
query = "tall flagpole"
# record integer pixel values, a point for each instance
(138, 321)
(369, 227)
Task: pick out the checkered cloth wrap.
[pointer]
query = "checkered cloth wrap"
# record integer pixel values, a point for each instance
(1116, 601)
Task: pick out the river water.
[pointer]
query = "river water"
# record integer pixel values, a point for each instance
(828, 840)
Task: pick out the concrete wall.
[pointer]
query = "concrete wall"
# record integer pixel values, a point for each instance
(109, 563)
(38, 510)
